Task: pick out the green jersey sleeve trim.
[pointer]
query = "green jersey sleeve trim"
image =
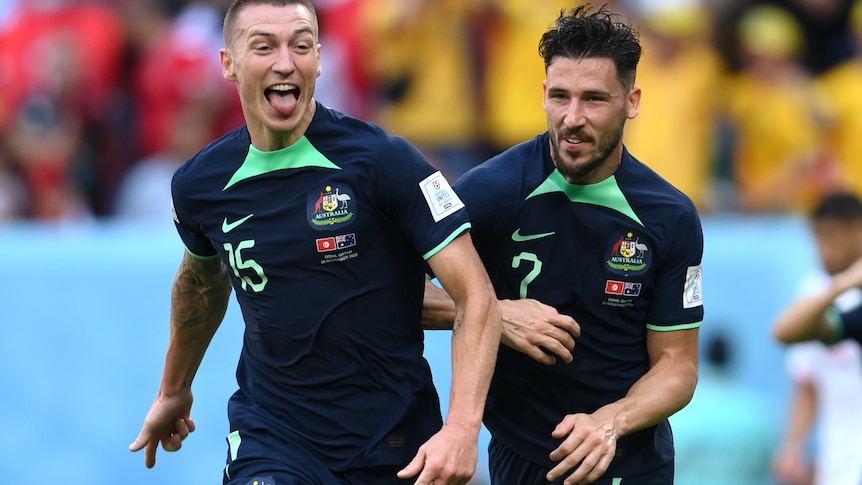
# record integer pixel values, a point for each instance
(198, 256)
(300, 154)
(671, 328)
(464, 227)
(605, 193)
(836, 324)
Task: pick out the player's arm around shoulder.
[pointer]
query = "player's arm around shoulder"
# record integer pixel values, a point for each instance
(451, 455)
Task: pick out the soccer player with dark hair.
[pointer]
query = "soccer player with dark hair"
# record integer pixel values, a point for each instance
(817, 317)
(585, 244)
(322, 224)
(825, 377)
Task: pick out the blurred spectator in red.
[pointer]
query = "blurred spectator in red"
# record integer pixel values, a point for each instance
(13, 193)
(59, 68)
(69, 50)
(174, 66)
(48, 147)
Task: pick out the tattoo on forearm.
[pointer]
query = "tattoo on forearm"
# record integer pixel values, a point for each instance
(200, 293)
(456, 325)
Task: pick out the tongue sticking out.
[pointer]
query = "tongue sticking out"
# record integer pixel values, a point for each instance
(283, 102)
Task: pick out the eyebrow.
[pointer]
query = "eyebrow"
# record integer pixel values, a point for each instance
(592, 92)
(296, 32)
(599, 93)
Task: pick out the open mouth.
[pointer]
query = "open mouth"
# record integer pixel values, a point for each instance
(283, 97)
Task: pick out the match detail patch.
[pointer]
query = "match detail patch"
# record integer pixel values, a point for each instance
(441, 199)
(335, 243)
(692, 295)
(623, 288)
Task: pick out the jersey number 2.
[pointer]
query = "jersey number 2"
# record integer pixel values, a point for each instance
(537, 268)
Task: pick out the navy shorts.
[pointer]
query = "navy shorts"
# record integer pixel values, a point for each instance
(508, 468)
(259, 456)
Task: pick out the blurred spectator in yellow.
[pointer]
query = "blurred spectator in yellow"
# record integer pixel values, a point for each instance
(680, 73)
(824, 25)
(773, 117)
(419, 55)
(513, 72)
(841, 92)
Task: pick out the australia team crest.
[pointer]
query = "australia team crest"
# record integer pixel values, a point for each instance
(628, 254)
(331, 206)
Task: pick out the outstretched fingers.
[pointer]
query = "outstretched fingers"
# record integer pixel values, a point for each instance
(171, 439)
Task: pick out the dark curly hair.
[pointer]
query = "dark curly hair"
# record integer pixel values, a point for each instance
(582, 33)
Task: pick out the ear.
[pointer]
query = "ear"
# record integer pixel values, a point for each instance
(319, 60)
(545, 94)
(633, 103)
(227, 65)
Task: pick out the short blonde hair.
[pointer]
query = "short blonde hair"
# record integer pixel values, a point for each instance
(237, 5)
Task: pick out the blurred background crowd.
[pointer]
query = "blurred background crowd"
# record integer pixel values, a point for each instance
(748, 106)
(752, 108)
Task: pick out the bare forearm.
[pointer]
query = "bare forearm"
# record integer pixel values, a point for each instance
(661, 392)
(475, 329)
(199, 301)
(801, 420)
(665, 389)
(438, 308)
(475, 341)
(806, 319)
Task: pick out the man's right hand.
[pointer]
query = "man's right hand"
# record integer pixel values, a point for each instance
(538, 330)
(168, 422)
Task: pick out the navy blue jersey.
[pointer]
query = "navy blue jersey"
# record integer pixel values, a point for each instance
(849, 323)
(621, 256)
(325, 242)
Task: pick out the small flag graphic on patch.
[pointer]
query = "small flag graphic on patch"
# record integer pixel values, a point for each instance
(632, 289)
(326, 244)
(345, 241)
(614, 287)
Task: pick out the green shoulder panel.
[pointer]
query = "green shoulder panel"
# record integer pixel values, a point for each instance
(300, 154)
(605, 193)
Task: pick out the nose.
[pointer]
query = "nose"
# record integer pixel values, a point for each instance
(283, 61)
(575, 114)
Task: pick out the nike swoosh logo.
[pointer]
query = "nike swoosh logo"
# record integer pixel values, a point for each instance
(227, 227)
(518, 237)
